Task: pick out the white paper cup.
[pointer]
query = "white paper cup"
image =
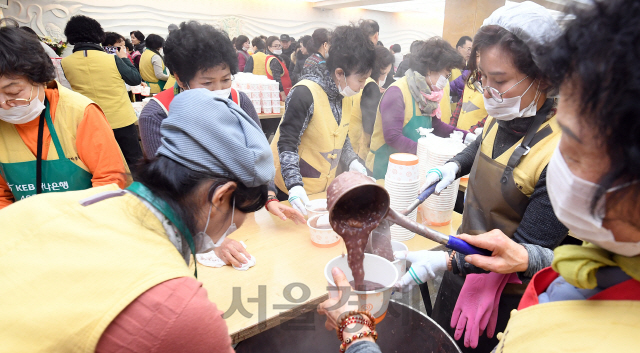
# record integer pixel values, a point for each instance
(322, 238)
(316, 208)
(376, 269)
(267, 110)
(276, 109)
(146, 91)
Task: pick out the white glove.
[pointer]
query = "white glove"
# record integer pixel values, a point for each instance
(478, 131)
(470, 138)
(425, 265)
(298, 199)
(445, 175)
(356, 166)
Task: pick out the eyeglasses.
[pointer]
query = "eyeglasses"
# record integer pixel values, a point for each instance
(19, 102)
(277, 46)
(449, 75)
(495, 94)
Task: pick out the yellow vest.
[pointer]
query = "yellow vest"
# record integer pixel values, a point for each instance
(455, 73)
(69, 270)
(377, 138)
(170, 83)
(472, 110)
(147, 72)
(445, 104)
(259, 63)
(321, 144)
(96, 76)
(527, 173)
(573, 326)
(355, 126)
(69, 113)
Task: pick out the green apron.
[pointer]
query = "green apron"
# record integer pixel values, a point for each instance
(381, 161)
(26, 179)
(160, 83)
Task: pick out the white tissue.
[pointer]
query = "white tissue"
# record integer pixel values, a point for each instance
(210, 259)
(424, 131)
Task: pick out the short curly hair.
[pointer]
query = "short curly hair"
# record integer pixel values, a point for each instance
(194, 47)
(435, 54)
(351, 50)
(111, 38)
(384, 58)
(597, 59)
(21, 54)
(154, 42)
(83, 29)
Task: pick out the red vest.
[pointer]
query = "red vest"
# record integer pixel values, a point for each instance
(627, 290)
(165, 97)
(284, 79)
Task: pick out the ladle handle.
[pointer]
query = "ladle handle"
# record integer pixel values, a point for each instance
(465, 248)
(416, 227)
(420, 199)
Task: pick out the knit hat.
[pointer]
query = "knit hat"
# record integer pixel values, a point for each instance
(214, 136)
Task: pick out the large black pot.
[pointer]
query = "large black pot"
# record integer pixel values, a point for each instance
(404, 329)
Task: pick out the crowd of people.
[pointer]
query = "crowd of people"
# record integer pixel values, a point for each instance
(117, 205)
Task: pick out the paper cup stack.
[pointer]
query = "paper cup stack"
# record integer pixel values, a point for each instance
(434, 152)
(402, 182)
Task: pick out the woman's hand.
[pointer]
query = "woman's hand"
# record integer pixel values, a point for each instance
(230, 251)
(285, 212)
(508, 256)
(334, 307)
(282, 96)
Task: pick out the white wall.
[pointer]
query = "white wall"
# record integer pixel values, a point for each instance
(248, 17)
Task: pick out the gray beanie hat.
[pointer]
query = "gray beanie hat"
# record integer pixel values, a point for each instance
(214, 136)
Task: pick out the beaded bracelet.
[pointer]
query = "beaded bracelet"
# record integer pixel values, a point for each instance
(349, 340)
(449, 266)
(356, 312)
(353, 320)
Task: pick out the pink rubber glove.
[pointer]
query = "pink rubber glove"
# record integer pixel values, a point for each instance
(493, 320)
(476, 304)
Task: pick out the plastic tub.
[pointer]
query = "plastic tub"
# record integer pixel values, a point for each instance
(376, 269)
(322, 237)
(316, 208)
(436, 218)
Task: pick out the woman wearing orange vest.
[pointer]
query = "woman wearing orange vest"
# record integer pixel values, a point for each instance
(193, 69)
(276, 66)
(107, 269)
(51, 138)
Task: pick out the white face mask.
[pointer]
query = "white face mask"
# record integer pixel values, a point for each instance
(222, 93)
(232, 227)
(571, 200)
(442, 82)
(509, 109)
(277, 51)
(347, 91)
(24, 114)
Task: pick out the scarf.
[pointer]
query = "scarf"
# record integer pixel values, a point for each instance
(578, 265)
(320, 74)
(428, 100)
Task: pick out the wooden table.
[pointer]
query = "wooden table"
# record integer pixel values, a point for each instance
(463, 185)
(285, 257)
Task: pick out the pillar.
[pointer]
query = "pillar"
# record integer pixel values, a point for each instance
(464, 17)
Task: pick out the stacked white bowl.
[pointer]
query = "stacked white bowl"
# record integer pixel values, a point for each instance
(264, 93)
(402, 182)
(434, 152)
